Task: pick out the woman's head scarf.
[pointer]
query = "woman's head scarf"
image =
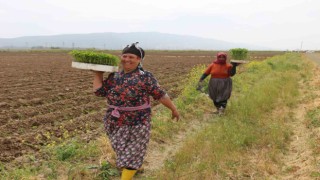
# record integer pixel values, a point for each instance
(134, 49)
(219, 61)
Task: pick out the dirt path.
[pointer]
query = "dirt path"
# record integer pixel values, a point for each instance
(159, 153)
(315, 57)
(300, 161)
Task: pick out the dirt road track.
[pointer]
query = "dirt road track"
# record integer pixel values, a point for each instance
(315, 57)
(301, 161)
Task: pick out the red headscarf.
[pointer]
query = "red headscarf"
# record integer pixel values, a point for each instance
(217, 61)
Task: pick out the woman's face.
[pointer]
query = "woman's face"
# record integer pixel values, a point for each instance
(222, 58)
(129, 62)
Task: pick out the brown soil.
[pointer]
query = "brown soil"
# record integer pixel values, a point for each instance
(42, 97)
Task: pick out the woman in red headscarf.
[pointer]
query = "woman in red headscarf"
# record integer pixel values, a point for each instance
(220, 85)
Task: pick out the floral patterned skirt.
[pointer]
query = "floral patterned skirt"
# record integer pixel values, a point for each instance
(129, 143)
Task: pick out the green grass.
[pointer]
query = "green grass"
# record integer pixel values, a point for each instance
(93, 57)
(315, 174)
(107, 171)
(222, 149)
(219, 151)
(313, 118)
(191, 104)
(312, 122)
(239, 53)
(70, 157)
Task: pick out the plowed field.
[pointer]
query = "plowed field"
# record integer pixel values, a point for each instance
(43, 100)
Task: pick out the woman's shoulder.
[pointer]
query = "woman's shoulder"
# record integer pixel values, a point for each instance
(210, 65)
(229, 65)
(145, 73)
(147, 76)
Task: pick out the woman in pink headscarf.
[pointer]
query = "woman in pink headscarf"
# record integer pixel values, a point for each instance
(220, 85)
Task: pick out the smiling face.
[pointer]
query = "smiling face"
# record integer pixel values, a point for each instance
(129, 62)
(222, 58)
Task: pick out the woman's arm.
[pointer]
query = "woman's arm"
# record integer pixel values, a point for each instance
(166, 101)
(233, 70)
(203, 77)
(206, 73)
(97, 80)
(153, 89)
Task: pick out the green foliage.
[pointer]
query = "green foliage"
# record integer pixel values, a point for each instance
(95, 57)
(239, 53)
(313, 118)
(107, 171)
(1, 167)
(188, 103)
(66, 151)
(71, 155)
(222, 146)
(17, 173)
(315, 174)
(189, 94)
(73, 150)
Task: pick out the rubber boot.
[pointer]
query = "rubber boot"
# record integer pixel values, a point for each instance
(127, 174)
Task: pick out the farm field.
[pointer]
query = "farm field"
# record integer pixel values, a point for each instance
(43, 100)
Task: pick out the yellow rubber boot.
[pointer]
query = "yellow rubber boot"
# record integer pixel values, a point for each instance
(127, 174)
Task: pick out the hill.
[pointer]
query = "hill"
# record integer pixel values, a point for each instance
(109, 40)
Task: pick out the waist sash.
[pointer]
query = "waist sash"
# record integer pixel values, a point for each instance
(116, 109)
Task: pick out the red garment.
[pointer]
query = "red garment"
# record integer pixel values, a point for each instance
(219, 70)
(218, 61)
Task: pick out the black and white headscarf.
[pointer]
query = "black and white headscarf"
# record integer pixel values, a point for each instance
(134, 49)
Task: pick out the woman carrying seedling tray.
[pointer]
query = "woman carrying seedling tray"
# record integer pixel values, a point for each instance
(127, 120)
(220, 84)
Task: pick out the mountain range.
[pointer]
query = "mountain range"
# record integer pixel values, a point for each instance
(116, 41)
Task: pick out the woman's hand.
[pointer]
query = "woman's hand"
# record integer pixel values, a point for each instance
(175, 115)
(200, 85)
(166, 101)
(234, 64)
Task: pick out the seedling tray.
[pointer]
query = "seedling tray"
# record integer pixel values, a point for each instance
(94, 67)
(238, 61)
(96, 61)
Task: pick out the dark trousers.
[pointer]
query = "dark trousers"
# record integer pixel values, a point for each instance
(220, 104)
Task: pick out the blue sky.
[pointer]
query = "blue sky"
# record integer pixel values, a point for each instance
(282, 24)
